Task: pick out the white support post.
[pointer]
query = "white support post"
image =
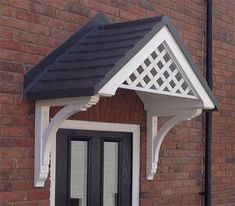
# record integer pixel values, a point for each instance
(152, 123)
(45, 131)
(41, 123)
(155, 139)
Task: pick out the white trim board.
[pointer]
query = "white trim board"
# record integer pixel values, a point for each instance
(163, 36)
(103, 126)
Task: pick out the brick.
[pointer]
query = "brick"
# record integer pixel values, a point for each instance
(66, 16)
(146, 4)
(11, 66)
(27, 58)
(27, 16)
(48, 41)
(38, 50)
(16, 132)
(90, 4)
(146, 202)
(6, 54)
(6, 33)
(18, 174)
(13, 23)
(27, 203)
(12, 44)
(59, 4)
(12, 196)
(6, 164)
(44, 203)
(38, 194)
(77, 9)
(5, 120)
(9, 88)
(167, 192)
(6, 10)
(4, 174)
(60, 33)
(230, 160)
(6, 186)
(6, 98)
(6, 153)
(24, 4)
(24, 185)
(24, 142)
(145, 195)
(25, 163)
(39, 29)
(18, 78)
(6, 142)
(6, 76)
(43, 9)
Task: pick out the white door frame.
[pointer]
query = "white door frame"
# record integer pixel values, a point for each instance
(103, 126)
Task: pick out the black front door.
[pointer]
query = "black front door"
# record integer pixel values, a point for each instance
(93, 168)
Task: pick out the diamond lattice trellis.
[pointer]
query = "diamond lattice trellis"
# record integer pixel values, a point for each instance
(159, 74)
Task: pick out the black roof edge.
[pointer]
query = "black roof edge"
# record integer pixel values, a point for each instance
(133, 22)
(63, 93)
(29, 77)
(190, 60)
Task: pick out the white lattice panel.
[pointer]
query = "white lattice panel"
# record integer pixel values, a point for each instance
(159, 74)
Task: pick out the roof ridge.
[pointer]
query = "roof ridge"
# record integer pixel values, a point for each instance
(133, 22)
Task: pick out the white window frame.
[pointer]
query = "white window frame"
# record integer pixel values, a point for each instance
(103, 126)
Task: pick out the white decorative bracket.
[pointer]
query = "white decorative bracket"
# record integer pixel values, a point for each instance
(155, 138)
(45, 130)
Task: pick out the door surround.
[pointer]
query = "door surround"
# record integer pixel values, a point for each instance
(103, 126)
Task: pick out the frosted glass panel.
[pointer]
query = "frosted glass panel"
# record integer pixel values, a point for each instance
(110, 189)
(78, 181)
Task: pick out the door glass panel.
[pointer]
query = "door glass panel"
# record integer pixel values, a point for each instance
(110, 189)
(78, 176)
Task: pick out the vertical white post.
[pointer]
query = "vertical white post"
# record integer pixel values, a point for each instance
(53, 173)
(151, 135)
(41, 122)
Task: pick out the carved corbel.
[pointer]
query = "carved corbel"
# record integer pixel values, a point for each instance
(155, 137)
(45, 130)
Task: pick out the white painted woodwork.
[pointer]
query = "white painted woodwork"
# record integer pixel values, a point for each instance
(164, 81)
(102, 126)
(41, 123)
(158, 73)
(155, 138)
(165, 105)
(45, 131)
(193, 88)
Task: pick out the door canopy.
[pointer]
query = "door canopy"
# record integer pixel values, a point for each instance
(145, 55)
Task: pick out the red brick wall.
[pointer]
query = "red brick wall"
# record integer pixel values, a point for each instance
(223, 150)
(30, 29)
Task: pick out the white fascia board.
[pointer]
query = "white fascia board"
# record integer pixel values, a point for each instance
(162, 105)
(64, 101)
(114, 83)
(163, 36)
(187, 70)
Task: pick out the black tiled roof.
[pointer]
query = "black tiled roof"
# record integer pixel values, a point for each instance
(93, 55)
(77, 67)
